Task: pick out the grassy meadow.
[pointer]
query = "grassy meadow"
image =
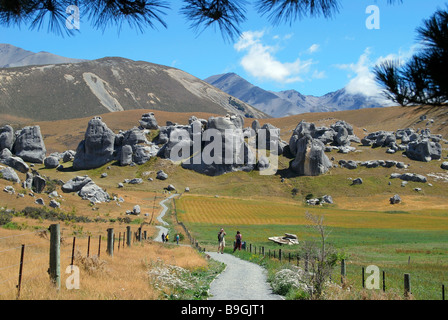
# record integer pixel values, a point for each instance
(397, 242)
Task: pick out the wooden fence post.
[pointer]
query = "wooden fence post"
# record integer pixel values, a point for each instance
(119, 241)
(55, 255)
(443, 292)
(73, 250)
(19, 285)
(110, 241)
(128, 236)
(343, 270)
(384, 281)
(99, 246)
(139, 234)
(280, 254)
(88, 247)
(407, 284)
(363, 276)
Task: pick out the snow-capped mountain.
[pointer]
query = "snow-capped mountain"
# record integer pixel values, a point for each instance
(289, 102)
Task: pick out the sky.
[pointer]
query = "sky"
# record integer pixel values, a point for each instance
(314, 56)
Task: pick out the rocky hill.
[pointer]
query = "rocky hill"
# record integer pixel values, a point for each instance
(74, 90)
(12, 56)
(289, 102)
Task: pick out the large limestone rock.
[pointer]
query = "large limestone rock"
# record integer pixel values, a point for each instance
(224, 149)
(93, 193)
(310, 159)
(339, 135)
(143, 153)
(9, 174)
(7, 137)
(97, 148)
(126, 155)
(38, 183)
(424, 150)
(133, 137)
(75, 184)
(14, 162)
(51, 162)
(148, 121)
(29, 145)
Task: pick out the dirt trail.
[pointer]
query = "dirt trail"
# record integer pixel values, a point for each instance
(241, 280)
(162, 229)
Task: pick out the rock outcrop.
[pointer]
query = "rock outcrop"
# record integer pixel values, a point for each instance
(7, 137)
(148, 121)
(310, 158)
(29, 144)
(97, 148)
(223, 148)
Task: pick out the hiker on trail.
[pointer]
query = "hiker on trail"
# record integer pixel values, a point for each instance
(238, 241)
(221, 240)
(167, 238)
(163, 237)
(177, 238)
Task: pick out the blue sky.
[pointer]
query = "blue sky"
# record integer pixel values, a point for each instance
(313, 56)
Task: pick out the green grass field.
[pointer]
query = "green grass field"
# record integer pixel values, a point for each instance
(397, 242)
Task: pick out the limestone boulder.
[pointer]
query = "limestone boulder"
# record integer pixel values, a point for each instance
(9, 174)
(76, 184)
(148, 121)
(7, 137)
(93, 193)
(424, 150)
(51, 162)
(310, 159)
(29, 145)
(97, 148)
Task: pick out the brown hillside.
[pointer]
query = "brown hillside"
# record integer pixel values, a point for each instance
(390, 119)
(66, 134)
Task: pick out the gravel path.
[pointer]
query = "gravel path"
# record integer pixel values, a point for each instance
(241, 280)
(160, 219)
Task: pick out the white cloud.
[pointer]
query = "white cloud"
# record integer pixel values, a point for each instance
(363, 79)
(260, 61)
(314, 48)
(319, 74)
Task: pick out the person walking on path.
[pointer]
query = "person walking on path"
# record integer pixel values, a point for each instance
(221, 240)
(167, 238)
(177, 238)
(238, 241)
(163, 237)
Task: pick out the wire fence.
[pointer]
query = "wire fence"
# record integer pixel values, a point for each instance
(25, 258)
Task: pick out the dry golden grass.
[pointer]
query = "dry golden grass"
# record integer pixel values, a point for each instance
(123, 276)
(66, 134)
(390, 118)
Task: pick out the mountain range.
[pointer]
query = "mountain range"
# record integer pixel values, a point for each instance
(44, 86)
(12, 56)
(68, 88)
(290, 102)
